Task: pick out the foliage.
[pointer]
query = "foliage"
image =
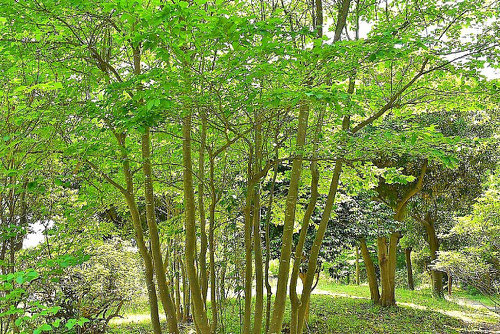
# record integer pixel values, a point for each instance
(97, 288)
(476, 262)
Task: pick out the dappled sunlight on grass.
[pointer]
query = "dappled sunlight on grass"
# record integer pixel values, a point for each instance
(347, 309)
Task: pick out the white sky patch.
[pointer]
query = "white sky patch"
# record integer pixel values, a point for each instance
(37, 234)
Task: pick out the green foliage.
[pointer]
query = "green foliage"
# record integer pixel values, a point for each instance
(476, 261)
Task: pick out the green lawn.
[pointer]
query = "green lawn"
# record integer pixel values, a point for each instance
(421, 297)
(339, 314)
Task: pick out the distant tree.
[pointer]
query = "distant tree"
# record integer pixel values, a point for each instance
(475, 258)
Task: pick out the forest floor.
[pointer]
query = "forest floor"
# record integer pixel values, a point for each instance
(347, 309)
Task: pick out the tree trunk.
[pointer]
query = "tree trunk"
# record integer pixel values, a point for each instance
(201, 208)
(294, 299)
(357, 265)
(318, 240)
(257, 243)
(387, 263)
(259, 274)
(161, 279)
(437, 276)
(370, 273)
(177, 288)
(186, 299)
(393, 244)
(248, 251)
(450, 283)
(139, 235)
(148, 264)
(409, 268)
(269, 291)
(383, 260)
(287, 239)
(199, 313)
(211, 239)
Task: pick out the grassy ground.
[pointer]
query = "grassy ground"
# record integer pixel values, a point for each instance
(424, 298)
(336, 310)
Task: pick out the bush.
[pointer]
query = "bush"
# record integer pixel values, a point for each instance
(96, 289)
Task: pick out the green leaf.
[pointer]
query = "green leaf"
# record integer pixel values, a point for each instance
(71, 323)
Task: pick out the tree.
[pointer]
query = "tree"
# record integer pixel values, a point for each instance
(476, 262)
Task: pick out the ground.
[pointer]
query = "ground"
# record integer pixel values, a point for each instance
(347, 309)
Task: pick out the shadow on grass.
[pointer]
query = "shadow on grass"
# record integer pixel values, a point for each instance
(334, 314)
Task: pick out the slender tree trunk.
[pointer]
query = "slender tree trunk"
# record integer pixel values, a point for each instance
(450, 283)
(139, 235)
(247, 325)
(199, 313)
(201, 208)
(294, 299)
(185, 293)
(409, 268)
(287, 239)
(318, 240)
(259, 275)
(257, 243)
(357, 265)
(370, 272)
(269, 291)
(148, 264)
(177, 288)
(166, 299)
(211, 239)
(320, 233)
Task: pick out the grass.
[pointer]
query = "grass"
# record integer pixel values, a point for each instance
(341, 314)
(346, 315)
(422, 297)
(482, 299)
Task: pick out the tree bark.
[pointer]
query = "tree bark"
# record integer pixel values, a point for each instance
(294, 299)
(257, 243)
(357, 265)
(318, 240)
(148, 264)
(201, 209)
(370, 272)
(199, 313)
(177, 289)
(387, 253)
(393, 244)
(269, 292)
(383, 261)
(437, 276)
(129, 195)
(211, 239)
(186, 299)
(409, 268)
(161, 279)
(287, 239)
(450, 283)
(247, 320)
(259, 274)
